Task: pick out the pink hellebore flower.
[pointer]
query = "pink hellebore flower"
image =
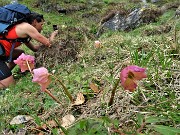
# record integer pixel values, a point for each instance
(97, 44)
(25, 62)
(130, 75)
(41, 76)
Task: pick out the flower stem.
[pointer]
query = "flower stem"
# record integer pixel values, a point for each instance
(29, 67)
(51, 95)
(113, 93)
(65, 89)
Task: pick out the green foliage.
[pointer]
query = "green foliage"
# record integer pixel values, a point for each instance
(166, 130)
(151, 122)
(107, 1)
(88, 127)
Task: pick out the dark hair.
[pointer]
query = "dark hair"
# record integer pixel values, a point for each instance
(35, 16)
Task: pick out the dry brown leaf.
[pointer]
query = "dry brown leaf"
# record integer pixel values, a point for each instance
(94, 87)
(79, 100)
(41, 133)
(43, 127)
(174, 46)
(52, 123)
(67, 120)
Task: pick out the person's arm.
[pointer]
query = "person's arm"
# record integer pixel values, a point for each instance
(34, 34)
(34, 48)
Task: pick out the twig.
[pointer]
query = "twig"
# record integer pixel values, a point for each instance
(141, 128)
(117, 131)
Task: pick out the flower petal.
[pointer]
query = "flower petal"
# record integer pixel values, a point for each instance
(130, 85)
(129, 75)
(139, 75)
(45, 85)
(41, 76)
(23, 60)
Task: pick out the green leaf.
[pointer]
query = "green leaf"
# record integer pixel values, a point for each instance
(82, 124)
(55, 131)
(78, 79)
(140, 118)
(155, 119)
(165, 130)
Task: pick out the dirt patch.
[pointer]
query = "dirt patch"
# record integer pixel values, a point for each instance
(63, 49)
(150, 15)
(57, 54)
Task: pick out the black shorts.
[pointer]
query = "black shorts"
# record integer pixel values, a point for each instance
(5, 72)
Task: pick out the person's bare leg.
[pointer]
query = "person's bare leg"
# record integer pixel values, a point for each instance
(7, 82)
(16, 54)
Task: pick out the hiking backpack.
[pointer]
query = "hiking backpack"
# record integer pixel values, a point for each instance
(10, 15)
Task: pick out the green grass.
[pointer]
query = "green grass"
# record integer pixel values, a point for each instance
(154, 105)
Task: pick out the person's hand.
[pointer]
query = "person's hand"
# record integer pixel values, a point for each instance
(53, 34)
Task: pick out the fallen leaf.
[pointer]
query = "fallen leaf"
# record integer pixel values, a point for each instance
(41, 133)
(67, 120)
(19, 119)
(79, 100)
(94, 87)
(42, 127)
(52, 123)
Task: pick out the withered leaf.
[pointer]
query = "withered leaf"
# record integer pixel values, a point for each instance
(94, 87)
(52, 123)
(67, 120)
(79, 100)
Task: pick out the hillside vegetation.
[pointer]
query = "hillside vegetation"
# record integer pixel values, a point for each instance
(91, 72)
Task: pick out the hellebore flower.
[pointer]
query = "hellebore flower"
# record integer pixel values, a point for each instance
(97, 44)
(130, 75)
(25, 62)
(41, 76)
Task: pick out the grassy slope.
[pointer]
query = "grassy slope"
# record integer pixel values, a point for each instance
(157, 55)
